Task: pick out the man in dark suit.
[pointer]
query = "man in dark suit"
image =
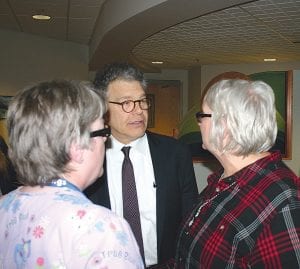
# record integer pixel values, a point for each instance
(8, 177)
(163, 168)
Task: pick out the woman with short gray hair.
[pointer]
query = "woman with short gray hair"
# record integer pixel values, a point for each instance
(57, 144)
(248, 215)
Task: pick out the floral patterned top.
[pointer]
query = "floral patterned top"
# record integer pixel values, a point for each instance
(60, 228)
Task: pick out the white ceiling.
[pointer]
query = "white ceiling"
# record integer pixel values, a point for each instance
(244, 33)
(72, 20)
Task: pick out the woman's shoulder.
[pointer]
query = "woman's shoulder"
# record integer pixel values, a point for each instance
(106, 216)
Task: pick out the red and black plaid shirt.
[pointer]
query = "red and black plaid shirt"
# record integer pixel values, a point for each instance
(251, 220)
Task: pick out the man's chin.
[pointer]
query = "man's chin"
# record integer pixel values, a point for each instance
(100, 174)
(137, 133)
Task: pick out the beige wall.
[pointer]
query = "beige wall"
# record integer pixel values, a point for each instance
(166, 107)
(194, 87)
(25, 59)
(169, 74)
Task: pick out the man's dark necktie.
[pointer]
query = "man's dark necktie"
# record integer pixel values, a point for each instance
(130, 201)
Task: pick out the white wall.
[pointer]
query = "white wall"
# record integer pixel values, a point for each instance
(25, 59)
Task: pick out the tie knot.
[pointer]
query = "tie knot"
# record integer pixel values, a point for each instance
(126, 151)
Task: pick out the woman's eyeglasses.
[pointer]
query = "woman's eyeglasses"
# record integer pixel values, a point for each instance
(102, 132)
(200, 115)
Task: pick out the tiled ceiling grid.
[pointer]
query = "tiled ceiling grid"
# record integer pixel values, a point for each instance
(247, 33)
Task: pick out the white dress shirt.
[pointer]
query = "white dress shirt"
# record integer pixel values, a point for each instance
(146, 189)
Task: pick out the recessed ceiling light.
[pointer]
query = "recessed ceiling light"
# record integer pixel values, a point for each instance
(157, 62)
(270, 60)
(41, 17)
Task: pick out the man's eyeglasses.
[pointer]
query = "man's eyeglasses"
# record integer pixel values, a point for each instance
(129, 105)
(102, 132)
(200, 115)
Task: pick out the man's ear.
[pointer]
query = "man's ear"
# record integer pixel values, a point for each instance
(76, 153)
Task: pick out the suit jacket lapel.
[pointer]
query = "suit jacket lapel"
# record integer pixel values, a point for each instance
(158, 161)
(105, 192)
(98, 192)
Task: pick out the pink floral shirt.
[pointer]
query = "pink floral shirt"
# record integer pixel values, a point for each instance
(61, 228)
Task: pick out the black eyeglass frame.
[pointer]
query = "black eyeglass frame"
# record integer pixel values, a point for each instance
(105, 132)
(134, 102)
(200, 115)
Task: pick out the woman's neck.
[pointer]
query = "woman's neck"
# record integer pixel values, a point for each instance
(232, 163)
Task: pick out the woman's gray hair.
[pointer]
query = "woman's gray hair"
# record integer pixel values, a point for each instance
(43, 120)
(244, 113)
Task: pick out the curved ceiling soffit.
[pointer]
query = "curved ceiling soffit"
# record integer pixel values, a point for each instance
(118, 43)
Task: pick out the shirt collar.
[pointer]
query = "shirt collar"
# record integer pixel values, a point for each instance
(248, 172)
(139, 144)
